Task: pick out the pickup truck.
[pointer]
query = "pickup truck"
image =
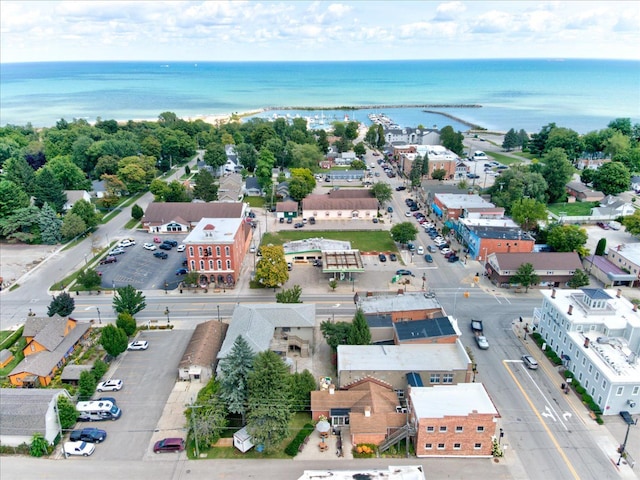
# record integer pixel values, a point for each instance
(481, 340)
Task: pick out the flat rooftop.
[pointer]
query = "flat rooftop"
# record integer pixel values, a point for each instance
(314, 245)
(451, 400)
(458, 201)
(630, 251)
(393, 302)
(214, 230)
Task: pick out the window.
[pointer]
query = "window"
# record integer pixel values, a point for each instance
(456, 446)
(619, 391)
(218, 264)
(200, 251)
(191, 251)
(431, 429)
(201, 264)
(479, 428)
(459, 428)
(228, 264)
(590, 368)
(441, 446)
(210, 264)
(447, 378)
(584, 361)
(208, 252)
(635, 390)
(428, 446)
(604, 384)
(435, 378)
(477, 446)
(227, 251)
(597, 377)
(217, 251)
(399, 392)
(193, 264)
(443, 428)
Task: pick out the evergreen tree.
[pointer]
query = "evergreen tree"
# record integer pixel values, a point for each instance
(128, 300)
(18, 171)
(511, 140)
(12, 198)
(359, 333)
(290, 295)
(50, 225)
(114, 340)
(381, 140)
(557, 172)
(523, 139)
(136, 212)
(416, 172)
(49, 190)
(206, 188)
(301, 385)
(269, 400)
(601, 248)
(63, 305)
(234, 372)
(67, 412)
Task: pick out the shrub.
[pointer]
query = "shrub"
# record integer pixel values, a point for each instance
(99, 369)
(292, 448)
(364, 450)
(580, 389)
(599, 420)
(39, 446)
(126, 322)
(568, 374)
(586, 398)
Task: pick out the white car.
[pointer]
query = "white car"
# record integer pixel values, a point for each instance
(149, 246)
(116, 251)
(445, 250)
(127, 242)
(138, 345)
(421, 250)
(181, 248)
(79, 448)
(439, 241)
(111, 385)
(407, 214)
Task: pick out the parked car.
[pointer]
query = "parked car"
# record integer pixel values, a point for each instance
(127, 242)
(109, 259)
(390, 209)
(169, 445)
(400, 188)
(162, 255)
(393, 257)
(107, 399)
(382, 257)
(603, 225)
(312, 220)
(149, 246)
(173, 243)
(530, 362)
(304, 220)
(289, 220)
(411, 247)
(90, 435)
(402, 271)
(165, 246)
(182, 271)
(298, 225)
(428, 258)
(407, 214)
(79, 448)
(289, 266)
(445, 250)
(181, 248)
(116, 251)
(111, 385)
(375, 220)
(420, 250)
(281, 220)
(432, 248)
(449, 254)
(443, 246)
(453, 259)
(138, 345)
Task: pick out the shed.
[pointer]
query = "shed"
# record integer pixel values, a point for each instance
(71, 373)
(5, 357)
(242, 440)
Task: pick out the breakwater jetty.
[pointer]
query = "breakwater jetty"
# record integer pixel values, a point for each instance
(378, 107)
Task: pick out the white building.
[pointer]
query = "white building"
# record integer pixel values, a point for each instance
(597, 334)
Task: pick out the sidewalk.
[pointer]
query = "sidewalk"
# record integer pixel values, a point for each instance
(608, 436)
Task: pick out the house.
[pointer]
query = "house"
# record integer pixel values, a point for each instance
(414, 136)
(71, 373)
(232, 164)
(98, 188)
(454, 420)
(181, 217)
(216, 248)
(612, 207)
(287, 209)
(350, 193)
(596, 332)
(434, 364)
(326, 207)
(581, 192)
(199, 360)
(73, 196)
(231, 188)
(625, 256)
(26, 412)
(252, 187)
(49, 342)
(553, 268)
(279, 327)
(635, 183)
(368, 407)
(345, 175)
(609, 273)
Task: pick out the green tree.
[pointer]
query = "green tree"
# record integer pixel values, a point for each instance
(357, 165)
(525, 276)
(215, 155)
(527, 212)
(359, 149)
(49, 190)
(290, 295)
(264, 168)
(566, 139)
(208, 418)
(557, 172)
(67, 412)
(127, 323)
(601, 248)
(234, 373)
(579, 279)
(99, 369)
(128, 300)
(38, 446)
(87, 212)
(248, 156)
(404, 232)
(301, 386)
(68, 173)
(612, 178)
(511, 140)
(72, 226)
(632, 223)
(18, 171)
(439, 174)
(206, 188)
(416, 172)
(452, 140)
(133, 175)
(176, 192)
(136, 212)
(382, 191)
(335, 333)
(114, 340)
(160, 189)
(587, 175)
(89, 279)
(12, 198)
(271, 270)
(269, 400)
(359, 333)
(567, 238)
(86, 385)
(63, 305)
(538, 143)
(622, 125)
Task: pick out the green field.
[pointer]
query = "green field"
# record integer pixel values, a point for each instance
(505, 159)
(366, 241)
(576, 209)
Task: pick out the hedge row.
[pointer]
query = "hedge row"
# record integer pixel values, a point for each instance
(293, 448)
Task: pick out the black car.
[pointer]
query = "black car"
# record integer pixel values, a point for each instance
(414, 208)
(393, 257)
(173, 243)
(162, 255)
(404, 272)
(289, 220)
(400, 188)
(109, 259)
(298, 225)
(312, 220)
(382, 257)
(453, 259)
(444, 245)
(281, 219)
(91, 435)
(182, 271)
(165, 246)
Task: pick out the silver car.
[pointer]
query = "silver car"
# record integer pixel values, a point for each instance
(530, 362)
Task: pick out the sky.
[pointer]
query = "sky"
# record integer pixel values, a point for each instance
(289, 30)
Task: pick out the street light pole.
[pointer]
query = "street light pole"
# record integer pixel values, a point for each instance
(166, 312)
(218, 307)
(624, 444)
(99, 319)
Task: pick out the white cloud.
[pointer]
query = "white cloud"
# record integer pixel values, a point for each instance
(449, 11)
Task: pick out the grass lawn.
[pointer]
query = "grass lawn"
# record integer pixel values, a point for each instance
(131, 223)
(366, 241)
(19, 356)
(504, 159)
(297, 422)
(257, 202)
(572, 209)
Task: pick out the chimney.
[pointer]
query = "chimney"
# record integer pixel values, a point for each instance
(619, 293)
(332, 389)
(553, 293)
(570, 311)
(367, 411)
(586, 342)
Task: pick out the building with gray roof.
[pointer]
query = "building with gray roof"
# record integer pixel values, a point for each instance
(26, 412)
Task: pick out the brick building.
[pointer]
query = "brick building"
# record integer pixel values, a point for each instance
(453, 420)
(216, 248)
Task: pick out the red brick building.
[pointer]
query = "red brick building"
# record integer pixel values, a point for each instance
(216, 248)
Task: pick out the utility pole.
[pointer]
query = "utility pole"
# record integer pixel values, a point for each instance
(195, 430)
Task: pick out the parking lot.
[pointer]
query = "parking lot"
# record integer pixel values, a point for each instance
(141, 269)
(149, 377)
